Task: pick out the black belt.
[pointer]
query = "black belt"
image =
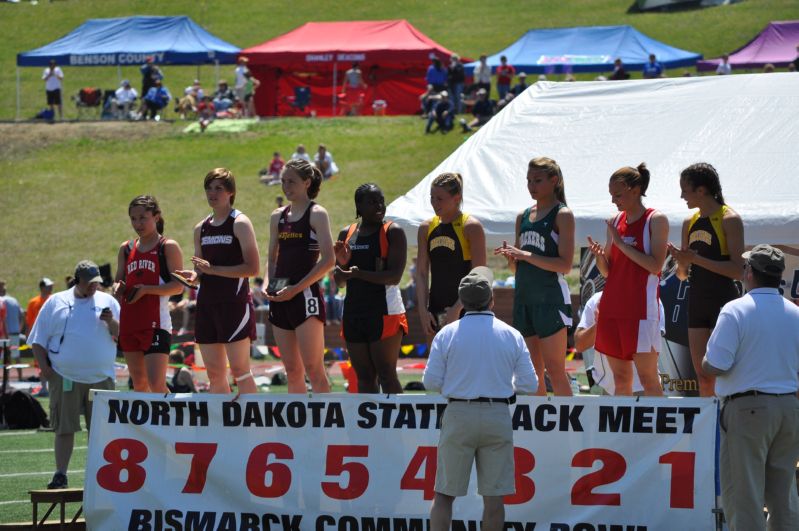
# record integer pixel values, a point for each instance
(756, 393)
(511, 400)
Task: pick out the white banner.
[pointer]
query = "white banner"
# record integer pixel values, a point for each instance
(365, 462)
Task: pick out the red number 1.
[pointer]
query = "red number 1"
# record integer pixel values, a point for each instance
(682, 478)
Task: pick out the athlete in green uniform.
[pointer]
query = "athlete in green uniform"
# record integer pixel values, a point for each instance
(542, 254)
(710, 257)
(449, 245)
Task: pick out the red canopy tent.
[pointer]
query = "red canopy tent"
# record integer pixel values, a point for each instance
(392, 54)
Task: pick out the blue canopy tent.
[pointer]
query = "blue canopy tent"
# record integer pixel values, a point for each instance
(129, 41)
(586, 49)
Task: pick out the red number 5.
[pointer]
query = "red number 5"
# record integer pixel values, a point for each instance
(335, 466)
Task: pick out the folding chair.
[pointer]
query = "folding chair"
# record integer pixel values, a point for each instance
(300, 100)
(89, 100)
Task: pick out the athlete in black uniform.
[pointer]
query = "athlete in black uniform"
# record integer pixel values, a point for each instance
(300, 255)
(449, 245)
(709, 257)
(370, 258)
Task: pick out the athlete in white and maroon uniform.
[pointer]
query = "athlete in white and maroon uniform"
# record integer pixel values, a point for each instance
(627, 329)
(225, 256)
(300, 255)
(143, 286)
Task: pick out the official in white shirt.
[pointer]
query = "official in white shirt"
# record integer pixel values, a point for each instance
(754, 353)
(478, 363)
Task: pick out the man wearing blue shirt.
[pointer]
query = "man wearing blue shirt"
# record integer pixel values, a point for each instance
(653, 69)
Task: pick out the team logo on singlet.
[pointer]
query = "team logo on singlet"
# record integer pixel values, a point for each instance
(531, 238)
(285, 235)
(141, 265)
(221, 239)
(359, 247)
(442, 241)
(701, 236)
(629, 240)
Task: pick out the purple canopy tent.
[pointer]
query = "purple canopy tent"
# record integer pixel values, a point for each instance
(776, 44)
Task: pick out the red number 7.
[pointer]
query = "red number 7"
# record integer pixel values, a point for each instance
(202, 454)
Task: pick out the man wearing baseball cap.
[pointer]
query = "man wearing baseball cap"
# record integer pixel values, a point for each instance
(478, 363)
(73, 342)
(754, 354)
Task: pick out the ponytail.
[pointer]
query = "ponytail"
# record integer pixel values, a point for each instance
(306, 171)
(633, 177)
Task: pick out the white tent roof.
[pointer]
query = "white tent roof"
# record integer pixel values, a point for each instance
(747, 126)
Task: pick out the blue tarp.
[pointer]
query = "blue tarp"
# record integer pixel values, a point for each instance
(130, 40)
(587, 49)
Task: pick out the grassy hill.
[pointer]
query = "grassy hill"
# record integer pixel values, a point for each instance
(65, 187)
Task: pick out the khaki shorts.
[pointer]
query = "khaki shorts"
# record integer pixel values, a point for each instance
(478, 432)
(67, 406)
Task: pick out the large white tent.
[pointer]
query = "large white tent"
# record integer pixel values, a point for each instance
(747, 126)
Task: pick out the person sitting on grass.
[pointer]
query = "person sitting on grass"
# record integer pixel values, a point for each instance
(182, 379)
(482, 109)
(442, 115)
(323, 159)
(272, 174)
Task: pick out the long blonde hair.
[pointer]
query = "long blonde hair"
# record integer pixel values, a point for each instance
(551, 168)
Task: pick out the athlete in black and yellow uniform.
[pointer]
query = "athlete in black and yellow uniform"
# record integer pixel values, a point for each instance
(709, 258)
(450, 245)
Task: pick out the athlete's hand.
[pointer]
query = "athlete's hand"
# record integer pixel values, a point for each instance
(343, 252)
(428, 322)
(118, 290)
(684, 257)
(202, 265)
(512, 253)
(189, 275)
(285, 294)
(613, 233)
(595, 248)
(139, 290)
(346, 274)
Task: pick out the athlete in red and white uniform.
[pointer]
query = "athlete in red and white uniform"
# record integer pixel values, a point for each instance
(628, 330)
(225, 256)
(143, 286)
(300, 255)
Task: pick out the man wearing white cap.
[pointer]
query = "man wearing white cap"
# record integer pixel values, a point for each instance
(124, 98)
(754, 354)
(73, 342)
(478, 363)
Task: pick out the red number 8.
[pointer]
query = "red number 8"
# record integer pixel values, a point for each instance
(108, 476)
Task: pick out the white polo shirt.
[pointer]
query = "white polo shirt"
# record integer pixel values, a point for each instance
(479, 356)
(756, 340)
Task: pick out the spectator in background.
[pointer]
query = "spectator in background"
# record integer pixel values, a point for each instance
(724, 68)
(241, 76)
(482, 75)
(258, 297)
(521, 86)
(35, 304)
(505, 74)
(156, 99)
(323, 159)
(768, 69)
(13, 324)
(53, 76)
(333, 305)
(436, 75)
(795, 62)
(653, 69)
(272, 175)
(192, 96)
(124, 98)
(455, 80)
(149, 73)
(619, 74)
(73, 342)
(482, 109)
(300, 153)
(442, 115)
(353, 79)
(206, 112)
(427, 100)
(224, 98)
(182, 378)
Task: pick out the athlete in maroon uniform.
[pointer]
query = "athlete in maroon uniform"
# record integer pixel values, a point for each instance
(628, 328)
(143, 286)
(300, 255)
(225, 255)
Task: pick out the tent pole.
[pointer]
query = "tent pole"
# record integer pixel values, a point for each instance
(198, 72)
(18, 102)
(216, 72)
(119, 74)
(335, 84)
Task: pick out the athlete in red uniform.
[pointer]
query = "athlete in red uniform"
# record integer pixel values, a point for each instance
(143, 286)
(627, 330)
(300, 255)
(370, 259)
(225, 256)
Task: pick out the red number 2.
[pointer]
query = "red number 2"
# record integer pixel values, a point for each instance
(613, 468)
(108, 476)
(201, 453)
